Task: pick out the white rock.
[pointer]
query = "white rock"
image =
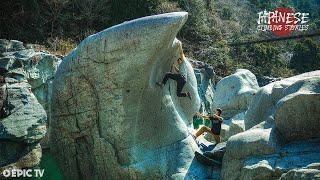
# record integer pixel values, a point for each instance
(252, 142)
(232, 126)
(297, 114)
(233, 93)
(264, 103)
(109, 117)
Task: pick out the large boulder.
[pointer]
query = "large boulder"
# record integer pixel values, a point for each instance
(249, 143)
(37, 67)
(281, 134)
(21, 128)
(301, 174)
(265, 159)
(233, 94)
(24, 63)
(109, 117)
(312, 171)
(297, 114)
(259, 170)
(284, 95)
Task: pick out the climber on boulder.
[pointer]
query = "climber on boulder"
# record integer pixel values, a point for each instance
(177, 76)
(216, 121)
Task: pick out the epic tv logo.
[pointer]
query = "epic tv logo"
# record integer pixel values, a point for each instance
(282, 21)
(12, 173)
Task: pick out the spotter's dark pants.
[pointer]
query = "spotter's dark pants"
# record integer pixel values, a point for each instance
(180, 79)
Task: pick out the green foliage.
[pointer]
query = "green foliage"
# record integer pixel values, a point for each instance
(306, 56)
(226, 13)
(262, 4)
(262, 59)
(37, 20)
(196, 27)
(123, 10)
(271, 4)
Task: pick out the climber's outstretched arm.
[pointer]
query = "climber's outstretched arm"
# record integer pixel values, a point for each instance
(203, 116)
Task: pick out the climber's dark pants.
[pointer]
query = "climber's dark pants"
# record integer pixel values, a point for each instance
(180, 79)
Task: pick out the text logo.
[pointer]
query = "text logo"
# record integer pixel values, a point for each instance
(23, 173)
(282, 21)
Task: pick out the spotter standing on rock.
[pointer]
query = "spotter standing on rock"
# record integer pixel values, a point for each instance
(216, 121)
(177, 76)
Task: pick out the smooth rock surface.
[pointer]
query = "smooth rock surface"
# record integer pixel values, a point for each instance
(289, 111)
(245, 144)
(261, 170)
(295, 155)
(232, 126)
(265, 101)
(297, 115)
(109, 117)
(233, 94)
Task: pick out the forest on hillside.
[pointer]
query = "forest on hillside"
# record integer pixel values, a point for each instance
(212, 25)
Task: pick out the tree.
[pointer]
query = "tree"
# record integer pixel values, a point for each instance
(306, 56)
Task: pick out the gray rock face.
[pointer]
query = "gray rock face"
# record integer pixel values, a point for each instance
(273, 164)
(301, 174)
(275, 123)
(233, 94)
(38, 68)
(232, 126)
(22, 129)
(109, 117)
(297, 113)
(204, 74)
(281, 94)
(217, 152)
